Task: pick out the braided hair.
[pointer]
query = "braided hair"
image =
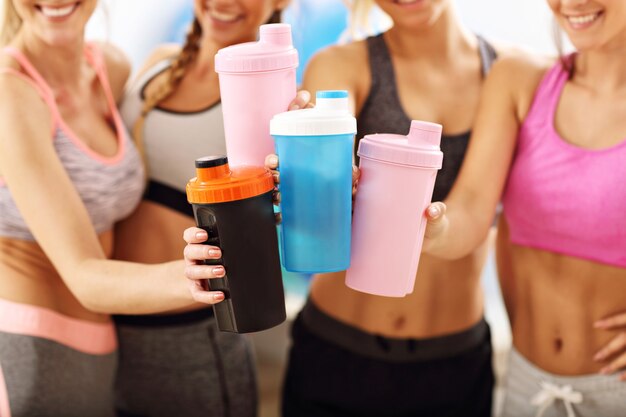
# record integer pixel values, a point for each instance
(175, 74)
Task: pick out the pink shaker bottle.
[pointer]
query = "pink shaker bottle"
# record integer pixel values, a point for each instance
(396, 185)
(257, 81)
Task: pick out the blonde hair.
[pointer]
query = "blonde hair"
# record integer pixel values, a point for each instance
(10, 24)
(360, 20)
(175, 74)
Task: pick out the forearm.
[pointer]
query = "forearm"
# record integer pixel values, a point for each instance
(117, 287)
(464, 229)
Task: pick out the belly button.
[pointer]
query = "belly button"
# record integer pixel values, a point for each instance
(399, 323)
(558, 344)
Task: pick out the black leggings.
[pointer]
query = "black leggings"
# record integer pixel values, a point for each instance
(324, 379)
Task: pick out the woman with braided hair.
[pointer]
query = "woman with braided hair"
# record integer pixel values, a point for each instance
(179, 363)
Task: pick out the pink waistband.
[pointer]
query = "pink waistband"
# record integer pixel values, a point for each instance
(82, 335)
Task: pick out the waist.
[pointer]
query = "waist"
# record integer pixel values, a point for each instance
(447, 298)
(392, 349)
(82, 335)
(29, 277)
(557, 300)
(165, 320)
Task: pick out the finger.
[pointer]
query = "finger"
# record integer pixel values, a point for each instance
(619, 320)
(271, 161)
(616, 365)
(204, 271)
(617, 344)
(356, 174)
(276, 197)
(202, 296)
(303, 97)
(199, 252)
(622, 377)
(435, 212)
(276, 176)
(195, 235)
(278, 217)
(310, 106)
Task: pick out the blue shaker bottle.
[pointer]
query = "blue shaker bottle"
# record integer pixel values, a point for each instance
(315, 148)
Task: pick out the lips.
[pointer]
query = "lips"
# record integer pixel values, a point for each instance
(57, 12)
(582, 21)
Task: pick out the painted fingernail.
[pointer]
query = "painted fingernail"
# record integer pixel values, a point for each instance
(606, 370)
(599, 356)
(218, 296)
(214, 252)
(219, 271)
(201, 235)
(433, 211)
(599, 324)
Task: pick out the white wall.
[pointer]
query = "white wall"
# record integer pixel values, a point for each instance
(137, 25)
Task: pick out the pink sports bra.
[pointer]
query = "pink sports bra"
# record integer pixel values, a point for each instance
(563, 198)
(110, 188)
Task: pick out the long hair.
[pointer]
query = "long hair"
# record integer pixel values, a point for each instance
(175, 74)
(566, 62)
(360, 19)
(10, 24)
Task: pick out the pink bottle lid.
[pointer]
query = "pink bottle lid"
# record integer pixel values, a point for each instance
(420, 148)
(274, 51)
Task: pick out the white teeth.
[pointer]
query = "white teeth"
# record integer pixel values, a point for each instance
(58, 11)
(224, 17)
(581, 20)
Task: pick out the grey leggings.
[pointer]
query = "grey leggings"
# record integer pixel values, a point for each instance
(182, 366)
(44, 378)
(531, 392)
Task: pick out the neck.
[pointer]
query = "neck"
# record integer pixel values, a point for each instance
(58, 65)
(603, 70)
(440, 41)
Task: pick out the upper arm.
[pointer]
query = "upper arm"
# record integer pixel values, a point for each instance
(338, 68)
(118, 68)
(505, 100)
(39, 184)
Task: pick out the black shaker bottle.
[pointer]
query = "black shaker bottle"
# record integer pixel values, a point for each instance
(235, 208)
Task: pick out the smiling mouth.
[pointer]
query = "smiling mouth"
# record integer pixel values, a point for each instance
(583, 20)
(57, 11)
(406, 2)
(223, 17)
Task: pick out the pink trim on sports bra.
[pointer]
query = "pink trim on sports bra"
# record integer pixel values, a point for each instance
(85, 336)
(94, 57)
(5, 409)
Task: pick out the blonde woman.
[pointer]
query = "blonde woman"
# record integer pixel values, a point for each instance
(179, 363)
(68, 172)
(429, 353)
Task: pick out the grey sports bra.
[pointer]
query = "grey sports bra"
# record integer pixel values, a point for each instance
(383, 111)
(172, 142)
(110, 188)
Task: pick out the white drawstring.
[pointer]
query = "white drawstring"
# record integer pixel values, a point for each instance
(550, 393)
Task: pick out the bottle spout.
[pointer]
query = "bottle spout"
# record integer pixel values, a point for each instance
(276, 34)
(424, 133)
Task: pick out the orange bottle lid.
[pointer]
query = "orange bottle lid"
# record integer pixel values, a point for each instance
(216, 182)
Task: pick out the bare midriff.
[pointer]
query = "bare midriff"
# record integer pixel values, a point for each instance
(28, 277)
(447, 299)
(554, 301)
(153, 234)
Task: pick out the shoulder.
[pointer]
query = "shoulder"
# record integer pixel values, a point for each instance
(519, 72)
(117, 65)
(351, 54)
(339, 64)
